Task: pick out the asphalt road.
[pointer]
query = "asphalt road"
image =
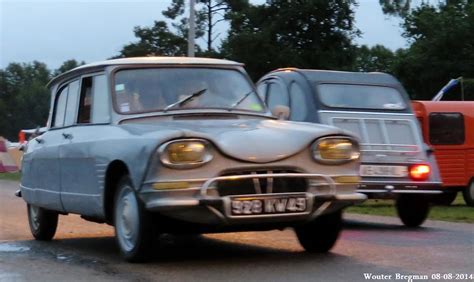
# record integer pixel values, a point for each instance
(84, 251)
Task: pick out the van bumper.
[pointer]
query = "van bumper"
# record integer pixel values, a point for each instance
(376, 189)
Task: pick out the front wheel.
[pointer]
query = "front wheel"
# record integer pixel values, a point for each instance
(468, 194)
(412, 209)
(133, 229)
(43, 223)
(320, 235)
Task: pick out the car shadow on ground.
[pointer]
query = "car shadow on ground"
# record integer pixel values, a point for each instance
(350, 224)
(172, 249)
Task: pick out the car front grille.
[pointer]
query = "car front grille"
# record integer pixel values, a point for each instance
(261, 185)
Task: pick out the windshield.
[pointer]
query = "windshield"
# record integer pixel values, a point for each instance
(163, 89)
(360, 96)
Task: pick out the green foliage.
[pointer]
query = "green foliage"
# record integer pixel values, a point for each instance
(442, 48)
(209, 13)
(281, 33)
(67, 65)
(24, 98)
(395, 7)
(377, 58)
(157, 40)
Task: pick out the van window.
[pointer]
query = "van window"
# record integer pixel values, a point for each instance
(360, 96)
(446, 128)
(276, 95)
(299, 108)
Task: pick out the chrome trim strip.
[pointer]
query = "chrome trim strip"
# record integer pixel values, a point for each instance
(384, 182)
(366, 113)
(368, 191)
(328, 179)
(173, 181)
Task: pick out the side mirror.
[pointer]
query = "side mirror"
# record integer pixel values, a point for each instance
(281, 112)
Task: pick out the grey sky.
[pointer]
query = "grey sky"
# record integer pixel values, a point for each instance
(55, 31)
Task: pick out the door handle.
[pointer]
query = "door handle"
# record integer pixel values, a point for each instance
(39, 140)
(67, 135)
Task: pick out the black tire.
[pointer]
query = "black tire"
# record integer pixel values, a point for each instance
(43, 223)
(412, 209)
(468, 194)
(445, 199)
(133, 226)
(320, 235)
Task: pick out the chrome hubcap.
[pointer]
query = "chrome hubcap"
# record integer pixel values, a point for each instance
(127, 219)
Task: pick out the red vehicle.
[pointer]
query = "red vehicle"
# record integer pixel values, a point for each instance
(448, 127)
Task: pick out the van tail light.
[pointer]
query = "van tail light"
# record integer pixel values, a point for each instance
(420, 172)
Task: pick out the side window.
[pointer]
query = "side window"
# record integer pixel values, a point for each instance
(86, 101)
(261, 90)
(276, 95)
(299, 109)
(100, 100)
(446, 129)
(93, 105)
(71, 108)
(60, 107)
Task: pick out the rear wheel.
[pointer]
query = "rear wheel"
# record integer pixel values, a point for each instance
(468, 194)
(320, 235)
(412, 209)
(43, 223)
(133, 228)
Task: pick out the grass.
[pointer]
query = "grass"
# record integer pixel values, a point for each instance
(458, 211)
(14, 176)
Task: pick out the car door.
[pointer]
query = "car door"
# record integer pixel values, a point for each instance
(81, 173)
(41, 183)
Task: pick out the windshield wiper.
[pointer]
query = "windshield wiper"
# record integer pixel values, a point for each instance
(185, 99)
(241, 100)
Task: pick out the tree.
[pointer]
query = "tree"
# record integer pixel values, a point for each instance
(24, 98)
(395, 7)
(299, 33)
(209, 14)
(67, 65)
(157, 40)
(442, 40)
(377, 58)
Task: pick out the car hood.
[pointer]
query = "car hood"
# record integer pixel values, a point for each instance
(257, 141)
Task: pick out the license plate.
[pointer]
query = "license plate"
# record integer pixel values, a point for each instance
(383, 171)
(267, 205)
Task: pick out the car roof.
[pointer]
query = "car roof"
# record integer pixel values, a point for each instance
(465, 107)
(344, 76)
(142, 61)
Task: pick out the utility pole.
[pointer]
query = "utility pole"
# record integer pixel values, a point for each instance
(192, 29)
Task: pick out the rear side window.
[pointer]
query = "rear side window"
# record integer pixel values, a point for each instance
(276, 95)
(299, 107)
(446, 129)
(360, 96)
(60, 107)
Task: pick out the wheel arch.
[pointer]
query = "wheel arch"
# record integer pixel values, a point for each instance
(115, 171)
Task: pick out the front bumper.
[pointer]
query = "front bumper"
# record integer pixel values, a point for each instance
(204, 205)
(382, 189)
